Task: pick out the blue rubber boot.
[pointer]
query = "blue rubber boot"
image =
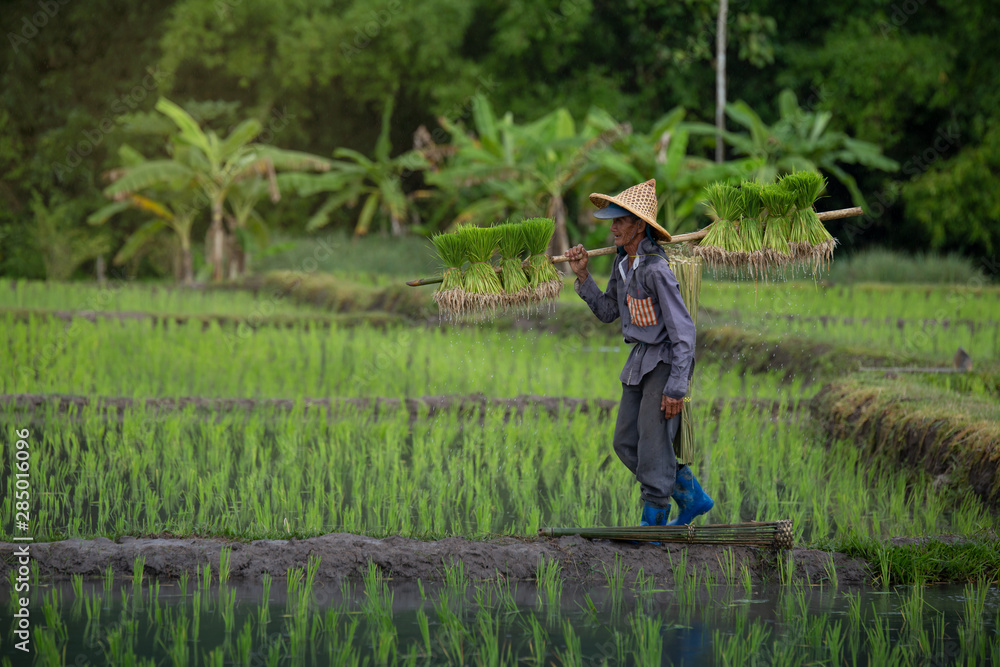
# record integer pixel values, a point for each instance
(691, 499)
(654, 516)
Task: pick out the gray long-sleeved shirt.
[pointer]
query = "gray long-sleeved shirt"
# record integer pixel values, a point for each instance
(654, 318)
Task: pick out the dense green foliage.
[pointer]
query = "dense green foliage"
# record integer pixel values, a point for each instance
(918, 79)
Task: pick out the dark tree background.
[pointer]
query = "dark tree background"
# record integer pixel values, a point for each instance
(921, 78)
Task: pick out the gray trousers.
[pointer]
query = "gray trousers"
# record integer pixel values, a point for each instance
(643, 438)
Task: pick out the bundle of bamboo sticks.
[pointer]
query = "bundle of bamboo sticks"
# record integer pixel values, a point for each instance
(770, 534)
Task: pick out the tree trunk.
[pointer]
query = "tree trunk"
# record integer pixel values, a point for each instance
(560, 239)
(187, 268)
(217, 239)
(720, 80)
(102, 278)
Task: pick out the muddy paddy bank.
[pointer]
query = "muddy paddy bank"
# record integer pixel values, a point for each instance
(347, 555)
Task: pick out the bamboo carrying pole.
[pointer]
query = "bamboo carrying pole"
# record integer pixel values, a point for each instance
(773, 534)
(680, 238)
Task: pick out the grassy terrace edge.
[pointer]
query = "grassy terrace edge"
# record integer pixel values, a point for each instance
(951, 436)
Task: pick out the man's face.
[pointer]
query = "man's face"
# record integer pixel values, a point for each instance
(623, 228)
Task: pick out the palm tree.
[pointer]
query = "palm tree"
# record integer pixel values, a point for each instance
(211, 166)
(799, 140)
(354, 177)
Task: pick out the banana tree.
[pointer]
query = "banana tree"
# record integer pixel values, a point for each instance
(211, 166)
(246, 226)
(353, 177)
(165, 218)
(171, 206)
(799, 140)
(527, 169)
(662, 153)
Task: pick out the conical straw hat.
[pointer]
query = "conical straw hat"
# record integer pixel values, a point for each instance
(639, 199)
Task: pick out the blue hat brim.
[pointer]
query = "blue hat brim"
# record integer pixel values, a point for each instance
(612, 211)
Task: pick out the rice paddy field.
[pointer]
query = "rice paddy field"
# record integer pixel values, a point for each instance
(327, 437)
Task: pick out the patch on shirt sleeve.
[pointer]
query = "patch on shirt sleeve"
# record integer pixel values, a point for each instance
(642, 311)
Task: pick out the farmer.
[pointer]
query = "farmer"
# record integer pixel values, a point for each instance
(644, 293)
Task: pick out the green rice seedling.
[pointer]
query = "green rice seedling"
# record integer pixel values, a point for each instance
(205, 582)
(830, 567)
(483, 291)
(727, 562)
(589, 609)
(786, 568)
(516, 285)
(244, 644)
(197, 600)
(974, 602)
(571, 656)
(425, 632)
(455, 579)
(490, 652)
(450, 296)
(833, 641)
(538, 640)
(646, 587)
(454, 633)
(746, 580)
(809, 241)
(215, 658)
(721, 248)
(880, 646)
(51, 604)
(776, 216)
(182, 583)
(263, 612)
(76, 581)
(46, 645)
(648, 639)
(542, 275)
(277, 650)
(118, 646)
(177, 649)
(751, 230)
(92, 606)
(548, 577)
(378, 597)
(744, 647)
(224, 556)
(227, 604)
(506, 598)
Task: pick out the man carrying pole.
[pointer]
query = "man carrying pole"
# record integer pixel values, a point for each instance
(645, 294)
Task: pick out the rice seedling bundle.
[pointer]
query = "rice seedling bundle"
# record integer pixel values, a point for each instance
(450, 296)
(687, 270)
(516, 286)
(808, 239)
(777, 202)
(542, 275)
(751, 229)
(483, 291)
(721, 247)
